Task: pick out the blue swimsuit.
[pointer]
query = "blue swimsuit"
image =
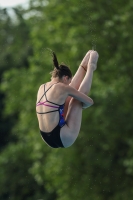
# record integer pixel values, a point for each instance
(52, 138)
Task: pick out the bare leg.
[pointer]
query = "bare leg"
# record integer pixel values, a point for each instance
(70, 132)
(78, 78)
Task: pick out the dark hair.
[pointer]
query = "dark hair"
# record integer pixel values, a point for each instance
(60, 70)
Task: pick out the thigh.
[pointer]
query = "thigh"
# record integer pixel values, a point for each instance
(70, 131)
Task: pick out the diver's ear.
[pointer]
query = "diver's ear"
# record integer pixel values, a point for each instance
(65, 78)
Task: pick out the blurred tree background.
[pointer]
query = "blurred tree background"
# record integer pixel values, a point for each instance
(100, 163)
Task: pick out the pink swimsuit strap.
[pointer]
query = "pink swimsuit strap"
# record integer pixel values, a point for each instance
(44, 104)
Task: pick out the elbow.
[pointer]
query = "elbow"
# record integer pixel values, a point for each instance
(90, 103)
(87, 105)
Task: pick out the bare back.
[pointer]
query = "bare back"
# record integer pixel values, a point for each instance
(54, 94)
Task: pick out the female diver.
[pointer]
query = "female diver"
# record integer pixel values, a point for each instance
(60, 101)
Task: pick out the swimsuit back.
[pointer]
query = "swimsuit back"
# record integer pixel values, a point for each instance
(60, 108)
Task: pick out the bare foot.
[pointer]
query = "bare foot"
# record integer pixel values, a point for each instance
(93, 60)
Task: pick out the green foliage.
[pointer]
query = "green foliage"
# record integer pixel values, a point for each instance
(99, 165)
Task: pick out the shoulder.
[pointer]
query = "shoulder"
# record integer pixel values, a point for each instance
(40, 87)
(67, 89)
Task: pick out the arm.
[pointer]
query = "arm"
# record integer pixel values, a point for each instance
(86, 101)
(38, 93)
